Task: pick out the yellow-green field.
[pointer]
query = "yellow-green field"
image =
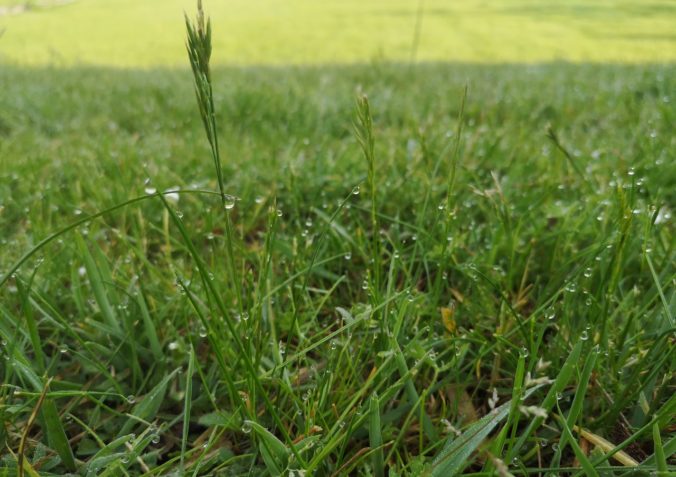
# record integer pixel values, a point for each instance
(147, 33)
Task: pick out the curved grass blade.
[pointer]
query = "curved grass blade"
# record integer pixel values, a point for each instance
(275, 454)
(457, 451)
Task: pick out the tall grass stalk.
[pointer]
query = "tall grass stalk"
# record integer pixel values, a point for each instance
(199, 53)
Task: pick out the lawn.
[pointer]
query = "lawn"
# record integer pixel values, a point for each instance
(490, 290)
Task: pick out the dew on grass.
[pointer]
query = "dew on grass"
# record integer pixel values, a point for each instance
(173, 345)
(347, 256)
(155, 439)
(131, 399)
(247, 427)
(584, 336)
(588, 272)
(229, 201)
(524, 352)
(356, 190)
(244, 316)
(631, 171)
(125, 459)
(279, 212)
(203, 332)
(63, 349)
(150, 190)
(259, 199)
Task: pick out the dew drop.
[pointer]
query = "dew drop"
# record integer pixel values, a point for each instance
(247, 427)
(131, 399)
(229, 201)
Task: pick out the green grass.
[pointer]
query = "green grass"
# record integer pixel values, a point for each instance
(133, 33)
(394, 273)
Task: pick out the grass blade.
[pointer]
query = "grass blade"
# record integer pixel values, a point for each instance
(275, 454)
(581, 457)
(375, 437)
(187, 405)
(457, 451)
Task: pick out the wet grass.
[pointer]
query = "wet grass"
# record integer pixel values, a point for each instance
(396, 284)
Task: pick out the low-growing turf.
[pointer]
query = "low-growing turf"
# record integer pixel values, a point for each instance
(489, 289)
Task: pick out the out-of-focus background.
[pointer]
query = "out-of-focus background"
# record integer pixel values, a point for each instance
(147, 33)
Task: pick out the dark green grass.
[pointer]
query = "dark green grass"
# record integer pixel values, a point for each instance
(544, 253)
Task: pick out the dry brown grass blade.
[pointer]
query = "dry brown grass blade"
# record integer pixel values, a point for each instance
(621, 456)
(29, 424)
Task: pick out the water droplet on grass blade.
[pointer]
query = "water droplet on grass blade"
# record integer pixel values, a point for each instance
(247, 427)
(229, 201)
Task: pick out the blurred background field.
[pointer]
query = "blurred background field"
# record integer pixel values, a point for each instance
(149, 33)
